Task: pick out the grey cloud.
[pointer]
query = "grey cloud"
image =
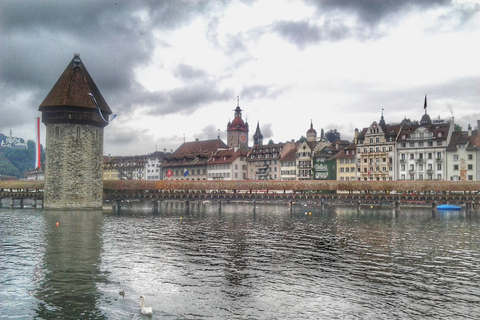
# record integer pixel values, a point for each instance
(189, 73)
(267, 132)
(300, 33)
(113, 38)
(366, 19)
(209, 132)
(182, 100)
(374, 11)
(255, 92)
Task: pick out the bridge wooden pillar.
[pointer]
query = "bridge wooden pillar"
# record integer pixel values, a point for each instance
(12, 203)
(21, 203)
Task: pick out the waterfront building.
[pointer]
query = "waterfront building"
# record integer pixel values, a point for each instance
(288, 168)
(227, 164)
(304, 155)
(13, 142)
(421, 149)
(124, 168)
(461, 157)
(189, 161)
(237, 131)
(346, 163)
(153, 164)
(74, 113)
(376, 151)
(36, 174)
(476, 144)
(324, 165)
(263, 161)
(324, 168)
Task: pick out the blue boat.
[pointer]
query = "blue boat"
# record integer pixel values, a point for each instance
(448, 207)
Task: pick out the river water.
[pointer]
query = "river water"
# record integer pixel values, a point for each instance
(243, 262)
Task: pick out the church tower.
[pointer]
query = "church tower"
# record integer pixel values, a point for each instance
(74, 113)
(237, 131)
(311, 133)
(258, 136)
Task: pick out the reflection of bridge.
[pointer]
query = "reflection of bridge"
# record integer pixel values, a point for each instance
(312, 191)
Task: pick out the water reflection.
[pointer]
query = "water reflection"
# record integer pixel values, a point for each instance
(71, 266)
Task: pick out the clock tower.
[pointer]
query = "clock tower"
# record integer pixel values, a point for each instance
(237, 131)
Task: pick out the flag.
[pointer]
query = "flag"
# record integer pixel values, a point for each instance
(425, 103)
(185, 173)
(37, 145)
(169, 173)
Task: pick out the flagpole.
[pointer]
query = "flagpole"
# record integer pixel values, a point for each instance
(37, 145)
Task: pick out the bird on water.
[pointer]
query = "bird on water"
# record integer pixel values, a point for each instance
(145, 310)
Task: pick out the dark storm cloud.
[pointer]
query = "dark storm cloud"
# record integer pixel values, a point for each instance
(374, 11)
(365, 18)
(183, 100)
(113, 38)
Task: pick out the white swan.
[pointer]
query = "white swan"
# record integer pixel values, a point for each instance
(145, 310)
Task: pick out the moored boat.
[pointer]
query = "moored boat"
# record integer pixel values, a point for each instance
(448, 207)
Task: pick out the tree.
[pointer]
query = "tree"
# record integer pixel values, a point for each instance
(302, 139)
(332, 135)
(31, 144)
(271, 142)
(457, 128)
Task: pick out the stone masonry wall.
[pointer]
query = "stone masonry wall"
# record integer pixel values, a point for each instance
(74, 167)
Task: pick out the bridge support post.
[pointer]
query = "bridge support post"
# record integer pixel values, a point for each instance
(358, 205)
(187, 207)
(155, 206)
(12, 203)
(290, 204)
(34, 203)
(117, 205)
(323, 204)
(254, 206)
(219, 206)
(397, 208)
(434, 209)
(21, 203)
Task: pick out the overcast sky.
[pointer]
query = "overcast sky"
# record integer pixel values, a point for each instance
(172, 70)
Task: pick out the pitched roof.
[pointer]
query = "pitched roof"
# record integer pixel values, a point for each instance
(72, 89)
(290, 156)
(197, 148)
(226, 156)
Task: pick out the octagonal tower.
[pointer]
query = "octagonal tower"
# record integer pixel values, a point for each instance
(74, 113)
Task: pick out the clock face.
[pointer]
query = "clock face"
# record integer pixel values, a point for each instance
(242, 137)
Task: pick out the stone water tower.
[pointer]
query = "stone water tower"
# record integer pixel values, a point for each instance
(74, 113)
